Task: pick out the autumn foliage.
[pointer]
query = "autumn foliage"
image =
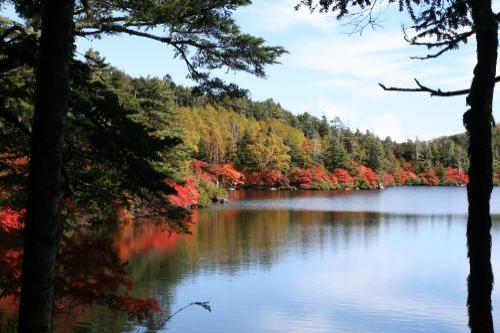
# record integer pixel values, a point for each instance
(367, 178)
(454, 176)
(429, 178)
(88, 271)
(10, 219)
(318, 178)
(187, 195)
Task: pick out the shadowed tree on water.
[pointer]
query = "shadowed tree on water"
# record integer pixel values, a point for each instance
(448, 23)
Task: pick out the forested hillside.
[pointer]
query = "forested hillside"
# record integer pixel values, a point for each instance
(131, 135)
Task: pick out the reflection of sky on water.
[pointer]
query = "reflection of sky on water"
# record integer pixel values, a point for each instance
(399, 200)
(271, 269)
(407, 274)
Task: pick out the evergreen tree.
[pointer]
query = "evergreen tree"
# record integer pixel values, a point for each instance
(336, 155)
(202, 33)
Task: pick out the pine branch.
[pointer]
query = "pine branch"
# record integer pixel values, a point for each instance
(14, 120)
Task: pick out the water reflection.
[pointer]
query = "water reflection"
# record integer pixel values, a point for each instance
(274, 269)
(278, 270)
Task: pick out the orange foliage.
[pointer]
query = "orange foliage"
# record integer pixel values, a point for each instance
(10, 219)
(226, 174)
(200, 169)
(343, 177)
(455, 176)
(302, 178)
(367, 175)
(18, 164)
(88, 271)
(388, 180)
(405, 177)
(270, 178)
(187, 195)
(429, 178)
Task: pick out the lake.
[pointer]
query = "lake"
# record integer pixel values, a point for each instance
(279, 261)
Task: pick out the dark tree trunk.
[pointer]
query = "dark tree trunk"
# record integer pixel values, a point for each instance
(478, 121)
(45, 174)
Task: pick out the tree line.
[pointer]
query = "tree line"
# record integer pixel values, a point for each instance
(128, 135)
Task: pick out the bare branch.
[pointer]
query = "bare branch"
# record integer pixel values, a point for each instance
(433, 92)
(204, 305)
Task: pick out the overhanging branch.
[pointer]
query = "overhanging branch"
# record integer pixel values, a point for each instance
(433, 92)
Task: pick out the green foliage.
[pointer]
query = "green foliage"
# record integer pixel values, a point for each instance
(268, 153)
(336, 155)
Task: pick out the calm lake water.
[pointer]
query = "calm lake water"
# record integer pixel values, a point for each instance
(379, 261)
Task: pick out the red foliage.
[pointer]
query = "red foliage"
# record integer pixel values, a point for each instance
(388, 180)
(271, 178)
(232, 174)
(404, 177)
(343, 177)
(315, 178)
(10, 219)
(88, 271)
(187, 195)
(302, 178)
(16, 163)
(226, 174)
(213, 173)
(455, 176)
(321, 175)
(201, 169)
(429, 178)
(367, 175)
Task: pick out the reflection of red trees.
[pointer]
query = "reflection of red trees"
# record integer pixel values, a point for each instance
(144, 237)
(88, 271)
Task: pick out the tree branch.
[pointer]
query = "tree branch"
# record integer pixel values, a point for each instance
(447, 45)
(431, 91)
(14, 120)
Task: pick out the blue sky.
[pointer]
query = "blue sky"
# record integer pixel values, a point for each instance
(328, 71)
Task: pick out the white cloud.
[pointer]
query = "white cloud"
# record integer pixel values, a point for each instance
(280, 16)
(375, 56)
(387, 124)
(323, 106)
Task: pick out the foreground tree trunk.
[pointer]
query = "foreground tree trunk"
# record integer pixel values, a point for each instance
(478, 121)
(45, 174)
